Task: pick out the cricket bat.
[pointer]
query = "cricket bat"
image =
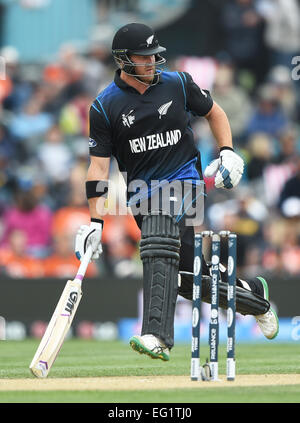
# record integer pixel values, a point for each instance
(60, 322)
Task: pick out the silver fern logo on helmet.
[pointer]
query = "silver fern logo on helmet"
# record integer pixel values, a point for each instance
(149, 40)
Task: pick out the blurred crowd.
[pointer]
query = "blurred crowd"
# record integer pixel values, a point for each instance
(44, 149)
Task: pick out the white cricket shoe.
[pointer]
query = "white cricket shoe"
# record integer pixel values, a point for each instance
(267, 322)
(150, 345)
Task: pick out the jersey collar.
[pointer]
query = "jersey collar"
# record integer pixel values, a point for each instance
(122, 84)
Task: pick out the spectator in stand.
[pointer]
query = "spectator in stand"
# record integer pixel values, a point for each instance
(280, 79)
(56, 161)
(73, 119)
(22, 87)
(42, 194)
(243, 31)
(282, 251)
(80, 165)
(31, 121)
(7, 81)
(54, 84)
(261, 152)
(73, 65)
(15, 262)
(55, 156)
(4, 189)
(248, 227)
(6, 87)
(63, 80)
(120, 244)
(288, 147)
(245, 215)
(62, 263)
(81, 160)
(290, 248)
(268, 116)
(282, 32)
(8, 163)
(233, 99)
(7, 145)
(96, 68)
(273, 235)
(67, 219)
(32, 218)
(282, 35)
(289, 202)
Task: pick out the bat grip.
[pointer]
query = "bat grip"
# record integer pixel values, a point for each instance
(84, 264)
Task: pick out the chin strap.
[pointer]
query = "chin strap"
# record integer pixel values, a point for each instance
(155, 79)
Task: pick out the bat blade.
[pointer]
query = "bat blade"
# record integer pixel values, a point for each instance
(57, 329)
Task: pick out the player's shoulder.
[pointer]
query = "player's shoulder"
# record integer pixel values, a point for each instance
(171, 76)
(176, 76)
(109, 93)
(105, 102)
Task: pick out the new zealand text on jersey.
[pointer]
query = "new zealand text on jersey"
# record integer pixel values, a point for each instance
(151, 142)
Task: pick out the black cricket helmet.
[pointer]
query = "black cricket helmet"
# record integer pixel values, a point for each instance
(139, 39)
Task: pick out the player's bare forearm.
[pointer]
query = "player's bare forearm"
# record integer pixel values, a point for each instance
(98, 171)
(96, 206)
(219, 126)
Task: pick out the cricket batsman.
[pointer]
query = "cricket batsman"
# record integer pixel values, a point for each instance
(143, 120)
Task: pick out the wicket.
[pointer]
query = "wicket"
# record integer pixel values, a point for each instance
(198, 372)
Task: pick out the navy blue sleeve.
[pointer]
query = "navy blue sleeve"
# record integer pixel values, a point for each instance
(198, 100)
(100, 143)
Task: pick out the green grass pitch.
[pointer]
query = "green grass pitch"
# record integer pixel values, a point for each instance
(90, 358)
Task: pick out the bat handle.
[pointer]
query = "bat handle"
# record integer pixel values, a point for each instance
(84, 264)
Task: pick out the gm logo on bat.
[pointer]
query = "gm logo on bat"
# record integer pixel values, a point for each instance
(71, 302)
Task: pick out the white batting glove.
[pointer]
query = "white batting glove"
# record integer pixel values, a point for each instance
(229, 168)
(89, 235)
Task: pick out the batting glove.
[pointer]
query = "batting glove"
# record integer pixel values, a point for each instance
(89, 235)
(229, 168)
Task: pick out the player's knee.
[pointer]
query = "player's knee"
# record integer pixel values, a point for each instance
(160, 236)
